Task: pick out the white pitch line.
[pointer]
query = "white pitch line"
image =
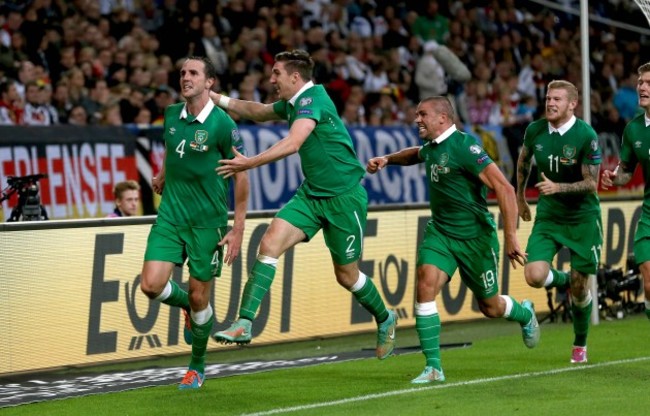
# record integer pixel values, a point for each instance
(444, 386)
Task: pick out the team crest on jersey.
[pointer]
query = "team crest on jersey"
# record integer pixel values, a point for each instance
(637, 145)
(305, 101)
(539, 147)
(594, 145)
(200, 137)
(172, 131)
(476, 149)
(444, 158)
(569, 151)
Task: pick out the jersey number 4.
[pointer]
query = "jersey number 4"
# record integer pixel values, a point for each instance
(180, 149)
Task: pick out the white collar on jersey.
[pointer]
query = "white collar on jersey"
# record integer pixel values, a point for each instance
(445, 134)
(563, 128)
(647, 119)
(202, 115)
(305, 87)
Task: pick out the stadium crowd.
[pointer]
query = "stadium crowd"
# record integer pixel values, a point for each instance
(114, 62)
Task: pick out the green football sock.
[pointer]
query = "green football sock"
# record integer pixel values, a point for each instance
(581, 317)
(560, 279)
(647, 312)
(428, 329)
(200, 336)
(178, 297)
(259, 282)
(368, 296)
(519, 313)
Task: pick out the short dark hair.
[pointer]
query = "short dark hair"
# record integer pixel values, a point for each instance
(298, 61)
(441, 105)
(210, 70)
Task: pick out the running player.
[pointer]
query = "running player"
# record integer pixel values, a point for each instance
(461, 233)
(635, 149)
(193, 215)
(331, 197)
(568, 158)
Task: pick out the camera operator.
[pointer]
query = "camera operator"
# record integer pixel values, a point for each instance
(127, 199)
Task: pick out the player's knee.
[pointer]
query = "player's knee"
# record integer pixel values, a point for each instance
(148, 290)
(490, 310)
(534, 278)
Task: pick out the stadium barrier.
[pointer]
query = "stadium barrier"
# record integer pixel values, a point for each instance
(83, 164)
(70, 290)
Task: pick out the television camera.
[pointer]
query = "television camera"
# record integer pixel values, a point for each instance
(619, 290)
(29, 207)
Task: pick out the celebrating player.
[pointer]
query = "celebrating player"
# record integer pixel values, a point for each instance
(568, 211)
(461, 233)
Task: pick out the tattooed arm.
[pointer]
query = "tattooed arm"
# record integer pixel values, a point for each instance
(588, 184)
(619, 176)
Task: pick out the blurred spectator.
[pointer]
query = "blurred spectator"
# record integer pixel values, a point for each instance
(11, 105)
(77, 116)
(162, 97)
(36, 114)
(25, 76)
(98, 96)
(143, 118)
(13, 20)
(129, 108)
(434, 66)
(61, 101)
(625, 99)
(111, 114)
(432, 25)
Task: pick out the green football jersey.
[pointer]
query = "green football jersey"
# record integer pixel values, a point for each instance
(560, 159)
(457, 197)
(194, 194)
(635, 149)
(327, 158)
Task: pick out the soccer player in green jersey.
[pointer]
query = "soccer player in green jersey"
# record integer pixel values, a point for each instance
(330, 198)
(461, 233)
(635, 150)
(193, 214)
(568, 159)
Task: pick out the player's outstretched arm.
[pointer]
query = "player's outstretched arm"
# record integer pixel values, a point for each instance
(405, 157)
(250, 110)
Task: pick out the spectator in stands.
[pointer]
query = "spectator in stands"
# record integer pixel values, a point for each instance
(162, 97)
(98, 97)
(129, 108)
(432, 25)
(11, 105)
(110, 115)
(35, 113)
(434, 66)
(625, 99)
(25, 76)
(61, 101)
(127, 199)
(77, 116)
